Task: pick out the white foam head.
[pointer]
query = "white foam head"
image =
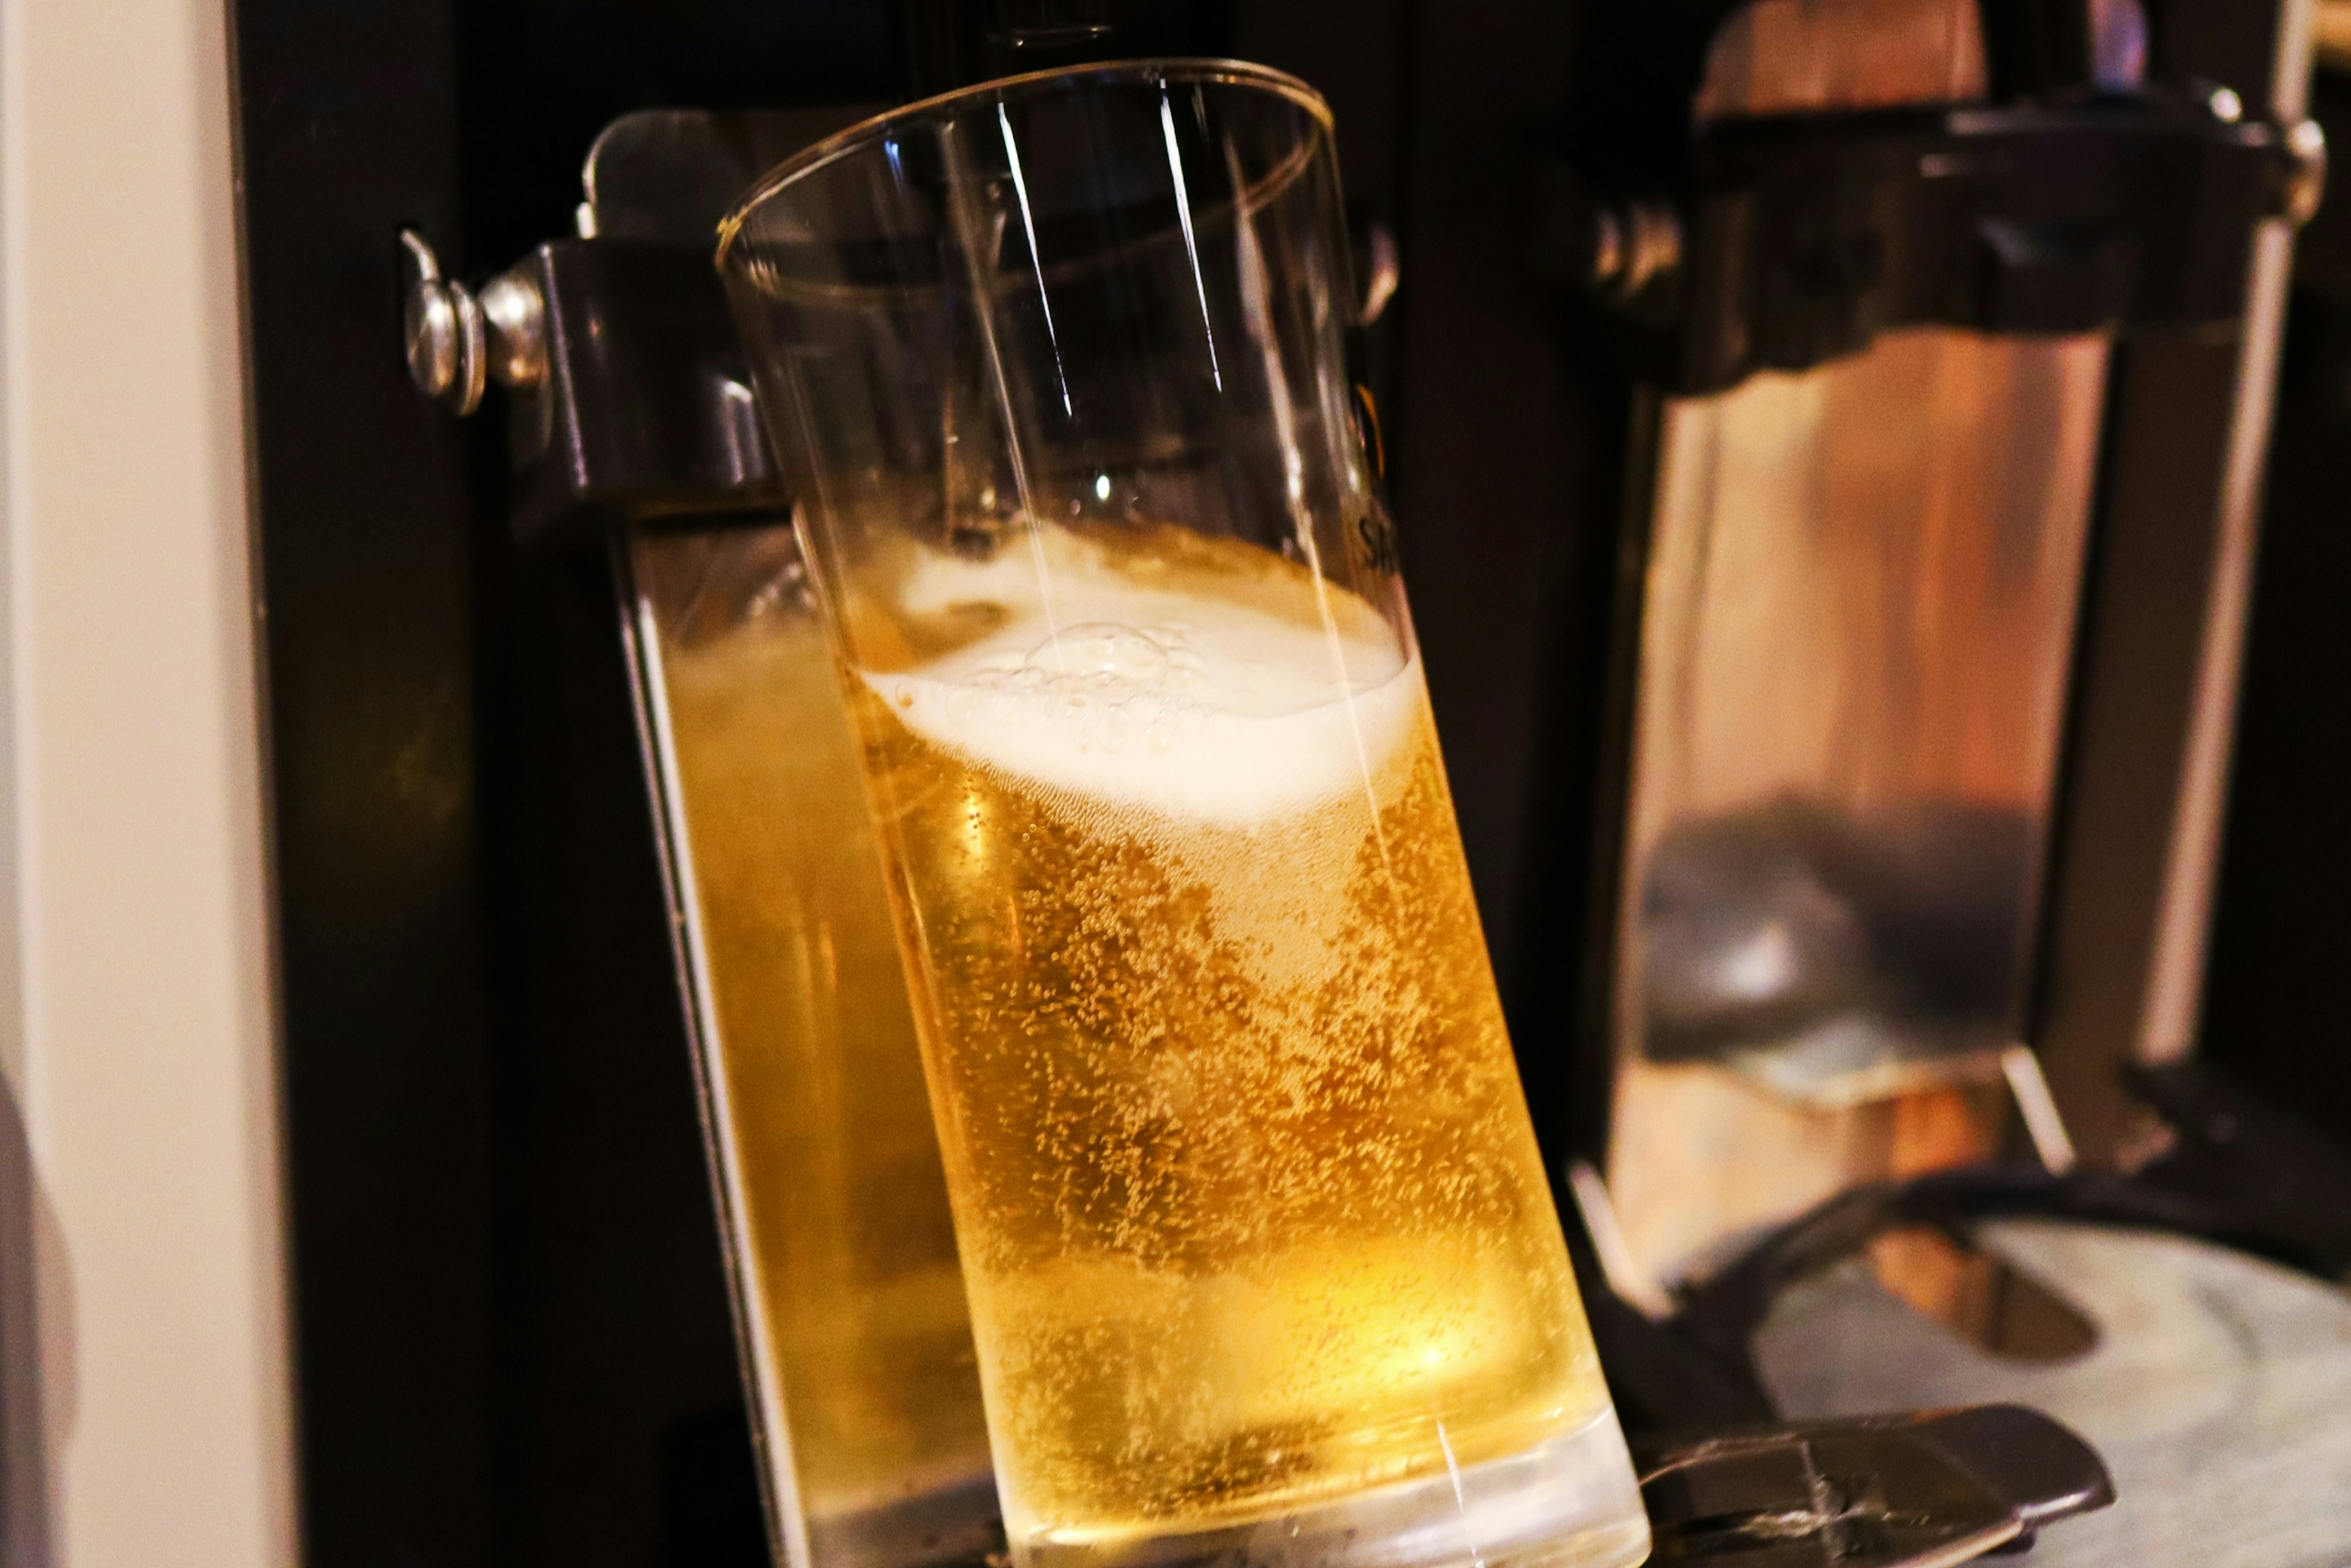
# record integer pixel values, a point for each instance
(1172, 699)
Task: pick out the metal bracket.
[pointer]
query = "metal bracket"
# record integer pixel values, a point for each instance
(647, 409)
(637, 398)
(632, 396)
(1797, 239)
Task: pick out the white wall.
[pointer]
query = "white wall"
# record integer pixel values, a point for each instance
(143, 1384)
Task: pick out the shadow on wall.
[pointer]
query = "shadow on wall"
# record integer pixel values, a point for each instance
(30, 1245)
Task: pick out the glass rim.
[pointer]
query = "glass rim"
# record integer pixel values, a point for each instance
(841, 144)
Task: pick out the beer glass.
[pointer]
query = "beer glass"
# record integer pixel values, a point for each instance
(1261, 1255)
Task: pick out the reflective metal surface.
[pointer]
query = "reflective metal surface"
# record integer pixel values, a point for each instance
(515, 313)
(1861, 605)
(1854, 656)
(1889, 1492)
(1789, 57)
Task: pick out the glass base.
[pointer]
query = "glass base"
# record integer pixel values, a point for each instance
(950, 1524)
(1570, 1504)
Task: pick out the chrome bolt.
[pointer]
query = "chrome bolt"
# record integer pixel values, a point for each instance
(517, 313)
(431, 323)
(444, 330)
(2305, 180)
(457, 343)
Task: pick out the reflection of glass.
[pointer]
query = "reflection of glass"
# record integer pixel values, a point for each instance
(1260, 1251)
(854, 1303)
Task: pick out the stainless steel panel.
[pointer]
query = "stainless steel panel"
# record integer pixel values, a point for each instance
(1857, 636)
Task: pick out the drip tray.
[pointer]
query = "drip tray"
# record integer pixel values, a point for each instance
(2214, 1384)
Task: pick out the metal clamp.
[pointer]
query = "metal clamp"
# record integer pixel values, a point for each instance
(643, 406)
(1790, 241)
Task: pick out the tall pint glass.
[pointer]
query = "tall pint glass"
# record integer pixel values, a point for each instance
(1263, 1263)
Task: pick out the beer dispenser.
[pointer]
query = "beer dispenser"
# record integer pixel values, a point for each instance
(1807, 941)
(1892, 283)
(633, 428)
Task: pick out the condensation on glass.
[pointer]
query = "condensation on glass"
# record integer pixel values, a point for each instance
(1261, 1258)
(1856, 634)
(849, 1295)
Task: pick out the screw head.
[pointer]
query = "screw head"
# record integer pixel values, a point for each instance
(442, 327)
(516, 316)
(2305, 182)
(432, 334)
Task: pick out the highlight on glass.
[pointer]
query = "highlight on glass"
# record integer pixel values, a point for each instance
(1260, 1254)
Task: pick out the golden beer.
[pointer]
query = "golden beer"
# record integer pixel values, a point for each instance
(1263, 1266)
(1250, 1205)
(852, 1257)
